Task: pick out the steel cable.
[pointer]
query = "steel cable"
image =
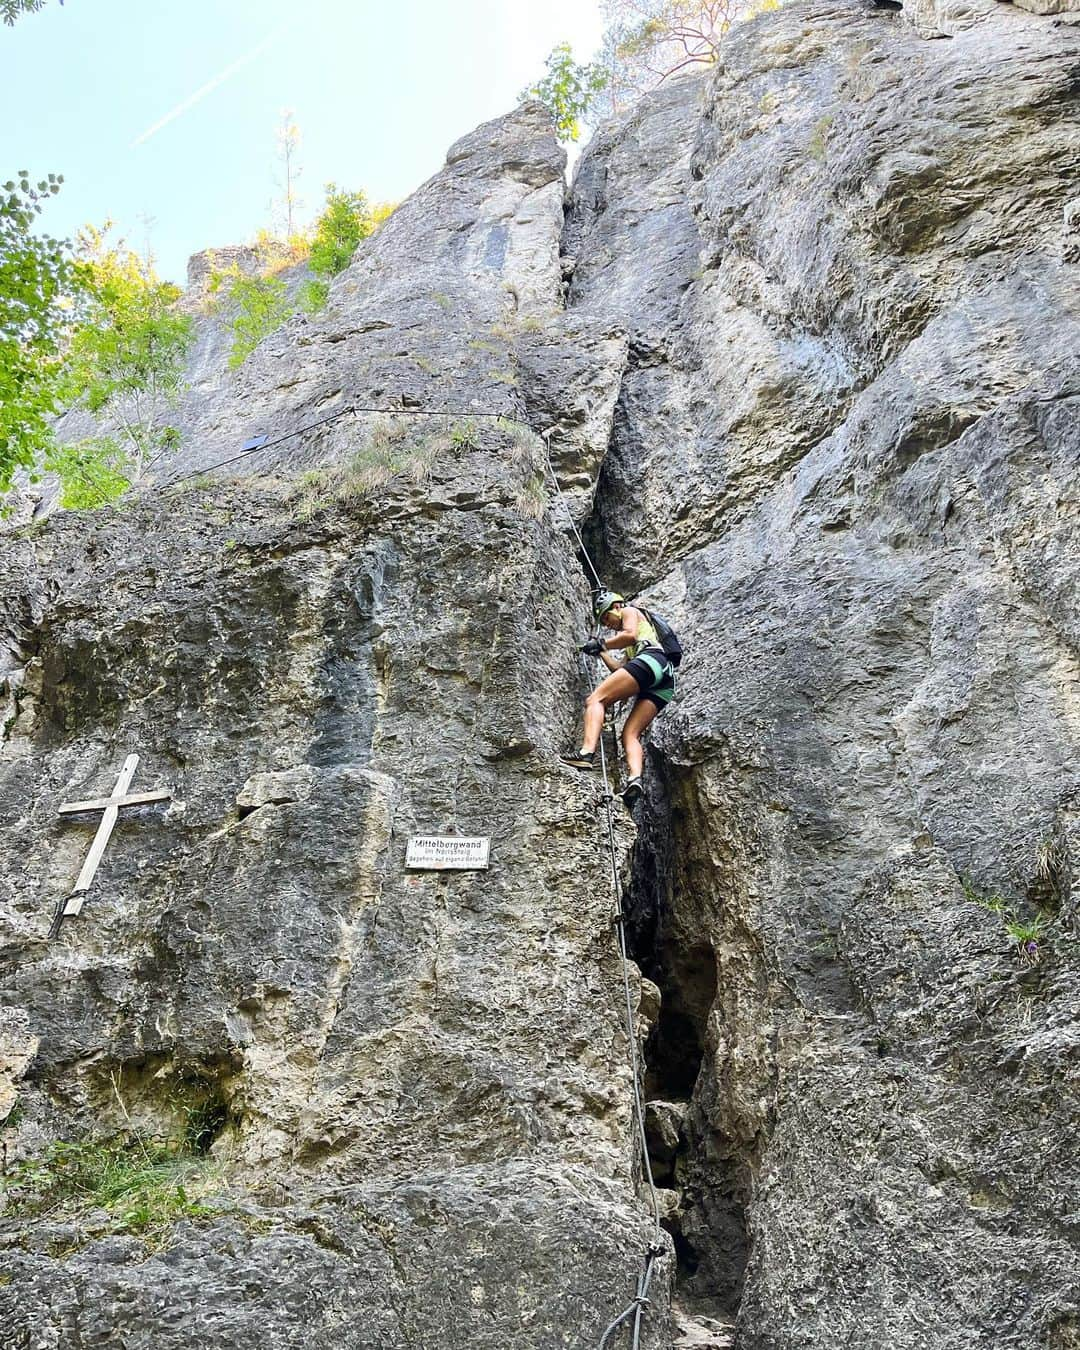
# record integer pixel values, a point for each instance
(322, 422)
(545, 436)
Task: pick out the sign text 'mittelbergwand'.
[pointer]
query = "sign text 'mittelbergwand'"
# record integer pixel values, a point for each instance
(437, 852)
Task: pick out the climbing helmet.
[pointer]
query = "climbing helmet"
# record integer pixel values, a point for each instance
(603, 601)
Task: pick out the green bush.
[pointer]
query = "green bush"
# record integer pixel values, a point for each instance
(313, 296)
(36, 277)
(568, 89)
(259, 306)
(92, 472)
(345, 220)
(125, 363)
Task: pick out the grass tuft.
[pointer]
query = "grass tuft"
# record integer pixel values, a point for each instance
(531, 501)
(1028, 936)
(143, 1186)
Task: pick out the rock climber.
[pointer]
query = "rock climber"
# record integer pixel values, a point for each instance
(645, 674)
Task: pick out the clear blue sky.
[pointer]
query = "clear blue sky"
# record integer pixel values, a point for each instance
(378, 90)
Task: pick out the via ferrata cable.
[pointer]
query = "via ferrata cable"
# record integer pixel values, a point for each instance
(322, 422)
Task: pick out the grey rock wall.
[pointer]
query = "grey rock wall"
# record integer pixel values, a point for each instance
(812, 384)
(418, 1081)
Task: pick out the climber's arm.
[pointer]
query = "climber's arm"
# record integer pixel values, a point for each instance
(627, 635)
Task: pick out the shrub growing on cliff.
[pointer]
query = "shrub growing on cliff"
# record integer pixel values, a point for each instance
(259, 306)
(345, 221)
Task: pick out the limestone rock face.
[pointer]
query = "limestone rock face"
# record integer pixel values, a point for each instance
(417, 1083)
(801, 342)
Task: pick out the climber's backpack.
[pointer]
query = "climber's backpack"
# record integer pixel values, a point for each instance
(669, 639)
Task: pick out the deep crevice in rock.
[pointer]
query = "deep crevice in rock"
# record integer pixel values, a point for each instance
(689, 1150)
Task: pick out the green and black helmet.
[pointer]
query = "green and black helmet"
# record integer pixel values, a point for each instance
(605, 600)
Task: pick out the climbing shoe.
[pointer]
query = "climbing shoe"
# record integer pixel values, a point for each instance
(579, 761)
(632, 791)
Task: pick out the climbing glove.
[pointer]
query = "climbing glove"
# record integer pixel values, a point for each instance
(593, 647)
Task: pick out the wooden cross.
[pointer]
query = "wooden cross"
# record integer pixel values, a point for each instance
(110, 809)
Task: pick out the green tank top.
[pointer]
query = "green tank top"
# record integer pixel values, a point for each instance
(646, 637)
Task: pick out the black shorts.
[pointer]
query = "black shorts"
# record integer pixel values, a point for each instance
(655, 677)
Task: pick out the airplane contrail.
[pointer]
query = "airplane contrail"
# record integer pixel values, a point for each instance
(209, 86)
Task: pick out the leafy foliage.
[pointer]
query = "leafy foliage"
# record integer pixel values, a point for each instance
(381, 212)
(10, 10)
(313, 296)
(125, 364)
(346, 219)
(260, 304)
(36, 281)
(91, 472)
(568, 89)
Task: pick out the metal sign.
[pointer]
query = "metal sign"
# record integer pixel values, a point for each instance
(434, 852)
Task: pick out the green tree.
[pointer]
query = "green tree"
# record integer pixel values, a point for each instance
(568, 89)
(346, 219)
(259, 304)
(91, 472)
(36, 283)
(125, 364)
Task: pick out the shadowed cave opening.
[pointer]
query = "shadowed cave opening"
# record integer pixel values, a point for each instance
(185, 1104)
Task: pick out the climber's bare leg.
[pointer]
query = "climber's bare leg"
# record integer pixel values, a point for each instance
(641, 715)
(615, 689)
